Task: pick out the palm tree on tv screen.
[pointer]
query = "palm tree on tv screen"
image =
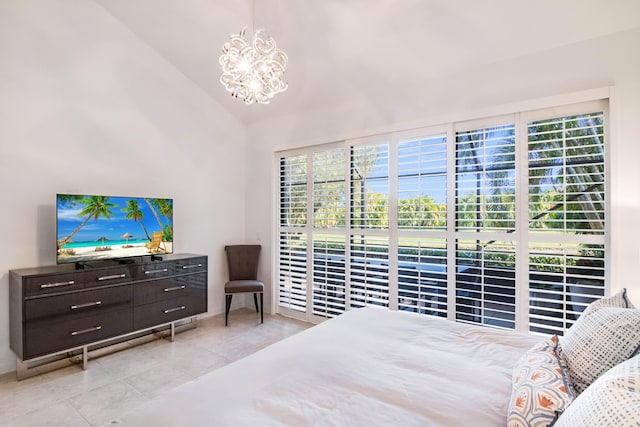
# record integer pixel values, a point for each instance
(165, 208)
(135, 213)
(95, 207)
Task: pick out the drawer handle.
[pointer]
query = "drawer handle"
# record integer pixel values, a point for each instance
(175, 288)
(113, 276)
(184, 267)
(55, 285)
(87, 304)
(171, 310)
(84, 331)
(164, 270)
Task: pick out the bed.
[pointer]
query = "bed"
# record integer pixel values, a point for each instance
(369, 366)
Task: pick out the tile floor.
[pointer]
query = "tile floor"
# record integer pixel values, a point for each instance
(117, 383)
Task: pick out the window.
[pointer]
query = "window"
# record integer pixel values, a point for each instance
(292, 244)
(369, 271)
(566, 199)
(485, 179)
(498, 222)
(369, 186)
(486, 283)
(422, 276)
(329, 275)
(292, 271)
(422, 183)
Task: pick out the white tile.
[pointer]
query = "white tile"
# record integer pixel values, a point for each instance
(24, 398)
(78, 381)
(59, 414)
(155, 381)
(104, 404)
(128, 362)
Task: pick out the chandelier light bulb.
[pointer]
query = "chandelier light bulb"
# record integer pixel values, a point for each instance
(253, 71)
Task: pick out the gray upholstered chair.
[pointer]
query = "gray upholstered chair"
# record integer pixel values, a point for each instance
(243, 276)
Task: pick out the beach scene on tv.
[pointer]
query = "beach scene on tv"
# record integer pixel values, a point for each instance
(102, 227)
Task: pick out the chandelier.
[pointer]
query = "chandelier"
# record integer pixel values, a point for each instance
(253, 71)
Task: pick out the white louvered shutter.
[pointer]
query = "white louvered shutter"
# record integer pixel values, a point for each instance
(292, 271)
(369, 271)
(329, 208)
(422, 183)
(369, 212)
(292, 240)
(485, 179)
(369, 192)
(422, 276)
(567, 219)
(329, 274)
(485, 203)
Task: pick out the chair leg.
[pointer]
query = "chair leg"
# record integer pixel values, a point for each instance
(226, 312)
(261, 308)
(255, 301)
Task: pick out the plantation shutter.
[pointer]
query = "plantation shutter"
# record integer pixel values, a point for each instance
(369, 192)
(369, 271)
(292, 241)
(293, 191)
(329, 213)
(566, 198)
(329, 209)
(422, 276)
(486, 283)
(485, 179)
(422, 183)
(369, 216)
(292, 271)
(485, 203)
(329, 275)
(422, 216)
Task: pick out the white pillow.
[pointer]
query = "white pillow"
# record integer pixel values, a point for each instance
(619, 300)
(612, 400)
(602, 337)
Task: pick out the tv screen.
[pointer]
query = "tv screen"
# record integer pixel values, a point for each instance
(91, 228)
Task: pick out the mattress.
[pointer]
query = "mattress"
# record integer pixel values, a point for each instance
(367, 367)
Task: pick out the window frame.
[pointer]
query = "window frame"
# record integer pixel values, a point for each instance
(522, 235)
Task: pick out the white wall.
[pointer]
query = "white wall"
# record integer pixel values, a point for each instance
(484, 90)
(86, 107)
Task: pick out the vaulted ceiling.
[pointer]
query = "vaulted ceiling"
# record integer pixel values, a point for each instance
(340, 50)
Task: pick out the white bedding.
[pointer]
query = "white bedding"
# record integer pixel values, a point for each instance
(366, 367)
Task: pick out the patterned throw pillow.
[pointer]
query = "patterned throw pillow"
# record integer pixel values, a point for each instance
(619, 300)
(540, 387)
(612, 400)
(604, 336)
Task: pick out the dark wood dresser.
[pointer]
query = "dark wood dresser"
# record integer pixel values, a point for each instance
(58, 309)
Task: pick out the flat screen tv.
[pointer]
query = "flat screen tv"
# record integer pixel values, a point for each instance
(93, 228)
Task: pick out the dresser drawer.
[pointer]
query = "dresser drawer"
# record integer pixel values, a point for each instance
(161, 312)
(39, 285)
(157, 269)
(161, 289)
(191, 265)
(77, 304)
(111, 276)
(57, 336)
